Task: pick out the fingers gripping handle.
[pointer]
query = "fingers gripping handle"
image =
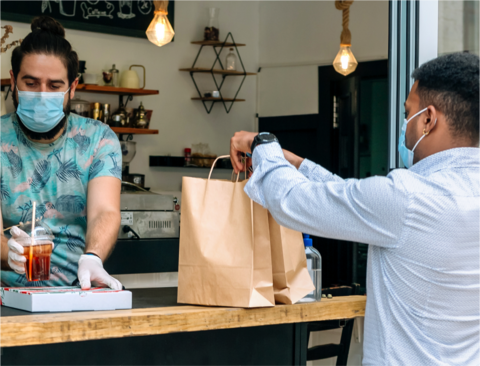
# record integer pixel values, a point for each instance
(225, 157)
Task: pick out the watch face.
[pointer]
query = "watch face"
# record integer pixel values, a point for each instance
(267, 137)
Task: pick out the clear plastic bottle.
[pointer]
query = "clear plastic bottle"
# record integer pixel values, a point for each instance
(314, 265)
(231, 61)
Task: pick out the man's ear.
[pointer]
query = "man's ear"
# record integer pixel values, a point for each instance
(12, 81)
(73, 87)
(431, 118)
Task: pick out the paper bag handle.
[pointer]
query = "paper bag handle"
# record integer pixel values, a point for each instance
(215, 162)
(226, 157)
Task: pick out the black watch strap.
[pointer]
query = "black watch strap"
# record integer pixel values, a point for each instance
(263, 138)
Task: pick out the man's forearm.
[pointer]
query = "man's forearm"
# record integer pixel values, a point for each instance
(102, 234)
(4, 254)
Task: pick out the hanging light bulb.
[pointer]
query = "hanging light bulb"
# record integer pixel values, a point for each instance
(160, 31)
(345, 63)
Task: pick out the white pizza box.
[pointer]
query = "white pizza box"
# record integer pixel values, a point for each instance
(68, 298)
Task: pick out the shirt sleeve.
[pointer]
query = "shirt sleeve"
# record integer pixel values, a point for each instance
(107, 158)
(370, 211)
(317, 173)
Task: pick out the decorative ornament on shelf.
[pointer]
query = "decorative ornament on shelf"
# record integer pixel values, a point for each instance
(345, 63)
(8, 30)
(160, 31)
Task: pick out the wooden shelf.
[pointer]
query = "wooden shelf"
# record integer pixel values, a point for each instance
(5, 82)
(218, 71)
(219, 99)
(134, 131)
(217, 44)
(89, 88)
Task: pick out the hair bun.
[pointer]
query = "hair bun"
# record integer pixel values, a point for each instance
(47, 24)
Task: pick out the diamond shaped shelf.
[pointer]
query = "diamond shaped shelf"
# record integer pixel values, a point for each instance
(218, 71)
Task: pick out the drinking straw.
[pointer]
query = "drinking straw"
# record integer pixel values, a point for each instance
(21, 223)
(30, 255)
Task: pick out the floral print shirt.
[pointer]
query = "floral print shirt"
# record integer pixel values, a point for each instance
(55, 176)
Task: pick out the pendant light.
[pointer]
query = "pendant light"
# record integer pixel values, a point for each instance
(160, 31)
(345, 63)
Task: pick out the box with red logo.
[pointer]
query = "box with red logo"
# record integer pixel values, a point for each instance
(53, 299)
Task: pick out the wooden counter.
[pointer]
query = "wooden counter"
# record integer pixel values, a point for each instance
(37, 329)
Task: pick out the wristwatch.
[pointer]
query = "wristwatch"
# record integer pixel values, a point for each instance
(263, 138)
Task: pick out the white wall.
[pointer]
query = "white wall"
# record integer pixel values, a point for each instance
(180, 121)
(298, 36)
(450, 30)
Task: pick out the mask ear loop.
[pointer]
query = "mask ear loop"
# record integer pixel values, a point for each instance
(425, 133)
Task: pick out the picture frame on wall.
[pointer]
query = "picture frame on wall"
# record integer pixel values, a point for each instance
(123, 18)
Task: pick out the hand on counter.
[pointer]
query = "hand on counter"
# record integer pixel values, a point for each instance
(16, 260)
(90, 271)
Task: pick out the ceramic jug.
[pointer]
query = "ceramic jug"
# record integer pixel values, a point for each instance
(130, 78)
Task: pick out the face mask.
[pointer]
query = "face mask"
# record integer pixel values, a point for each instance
(405, 153)
(40, 111)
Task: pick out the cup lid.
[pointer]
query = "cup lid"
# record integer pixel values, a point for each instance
(41, 232)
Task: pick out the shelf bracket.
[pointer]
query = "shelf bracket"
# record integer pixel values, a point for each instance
(9, 89)
(129, 137)
(120, 100)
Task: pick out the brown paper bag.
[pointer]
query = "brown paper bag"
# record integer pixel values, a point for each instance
(291, 280)
(225, 255)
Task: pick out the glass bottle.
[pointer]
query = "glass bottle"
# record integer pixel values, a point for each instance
(115, 77)
(212, 32)
(231, 61)
(314, 266)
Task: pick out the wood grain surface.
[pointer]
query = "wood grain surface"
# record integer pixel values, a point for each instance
(82, 326)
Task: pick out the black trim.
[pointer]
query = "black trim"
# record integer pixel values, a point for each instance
(143, 256)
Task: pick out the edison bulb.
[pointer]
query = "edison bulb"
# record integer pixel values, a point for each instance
(345, 63)
(160, 31)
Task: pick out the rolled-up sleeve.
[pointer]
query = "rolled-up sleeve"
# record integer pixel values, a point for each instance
(313, 200)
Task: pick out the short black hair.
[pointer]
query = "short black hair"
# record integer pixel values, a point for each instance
(450, 83)
(48, 38)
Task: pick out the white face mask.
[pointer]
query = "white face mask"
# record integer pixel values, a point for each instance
(406, 154)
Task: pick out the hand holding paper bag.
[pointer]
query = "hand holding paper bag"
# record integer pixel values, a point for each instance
(226, 250)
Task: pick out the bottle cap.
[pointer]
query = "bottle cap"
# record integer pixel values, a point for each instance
(307, 240)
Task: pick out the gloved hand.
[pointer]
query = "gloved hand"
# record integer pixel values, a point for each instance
(90, 271)
(16, 260)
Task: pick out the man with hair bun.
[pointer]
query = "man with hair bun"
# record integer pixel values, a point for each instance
(69, 165)
(422, 223)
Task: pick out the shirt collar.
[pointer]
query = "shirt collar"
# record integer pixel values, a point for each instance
(459, 157)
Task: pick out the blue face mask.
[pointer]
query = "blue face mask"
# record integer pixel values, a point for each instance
(405, 153)
(40, 111)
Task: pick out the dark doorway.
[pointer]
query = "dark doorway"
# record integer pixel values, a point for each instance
(349, 137)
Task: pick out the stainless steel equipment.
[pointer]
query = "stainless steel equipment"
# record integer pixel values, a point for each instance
(147, 215)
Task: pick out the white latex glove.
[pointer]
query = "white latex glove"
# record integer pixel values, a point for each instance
(90, 271)
(16, 260)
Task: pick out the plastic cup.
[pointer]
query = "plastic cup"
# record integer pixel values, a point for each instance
(37, 251)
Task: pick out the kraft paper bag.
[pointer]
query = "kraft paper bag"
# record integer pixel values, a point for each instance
(225, 255)
(291, 280)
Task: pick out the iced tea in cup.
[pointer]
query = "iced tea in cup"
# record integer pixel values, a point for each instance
(37, 250)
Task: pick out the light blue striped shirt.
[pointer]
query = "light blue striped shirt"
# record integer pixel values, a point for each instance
(423, 272)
